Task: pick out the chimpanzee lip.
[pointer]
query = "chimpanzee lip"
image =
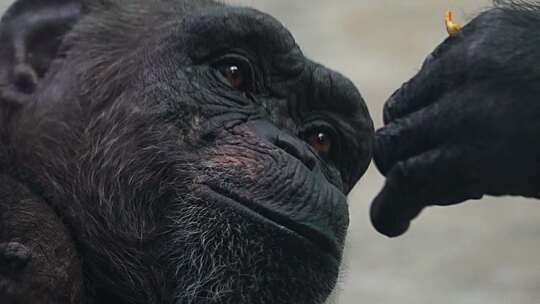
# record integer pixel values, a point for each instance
(317, 238)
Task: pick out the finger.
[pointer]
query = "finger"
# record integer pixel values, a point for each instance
(437, 177)
(416, 133)
(442, 71)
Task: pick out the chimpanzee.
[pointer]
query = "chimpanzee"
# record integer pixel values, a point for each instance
(170, 151)
(468, 123)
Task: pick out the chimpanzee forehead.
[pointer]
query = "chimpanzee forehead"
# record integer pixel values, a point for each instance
(219, 26)
(196, 24)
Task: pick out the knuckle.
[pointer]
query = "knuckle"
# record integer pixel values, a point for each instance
(382, 151)
(406, 173)
(402, 170)
(396, 103)
(388, 115)
(398, 177)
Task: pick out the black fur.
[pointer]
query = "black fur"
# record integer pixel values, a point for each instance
(467, 124)
(175, 187)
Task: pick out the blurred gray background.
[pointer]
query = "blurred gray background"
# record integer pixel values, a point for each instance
(484, 252)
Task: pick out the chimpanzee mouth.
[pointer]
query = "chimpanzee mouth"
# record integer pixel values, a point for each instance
(317, 238)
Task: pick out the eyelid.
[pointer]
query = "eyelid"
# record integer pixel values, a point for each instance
(230, 56)
(318, 124)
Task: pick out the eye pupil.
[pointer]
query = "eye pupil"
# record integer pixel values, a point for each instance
(234, 76)
(321, 142)
(321, 138)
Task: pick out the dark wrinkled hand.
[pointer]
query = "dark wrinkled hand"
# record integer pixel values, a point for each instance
(468, 124)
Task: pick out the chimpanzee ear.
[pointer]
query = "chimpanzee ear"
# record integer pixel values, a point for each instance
(31, 33)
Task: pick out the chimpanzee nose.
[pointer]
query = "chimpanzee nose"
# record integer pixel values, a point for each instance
(288, 143)
(297, 149)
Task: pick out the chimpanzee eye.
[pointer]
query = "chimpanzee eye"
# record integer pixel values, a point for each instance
(236, 72)
(234, 76)
(321, 142)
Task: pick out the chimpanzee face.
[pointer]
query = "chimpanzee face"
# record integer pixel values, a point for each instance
(197, 154)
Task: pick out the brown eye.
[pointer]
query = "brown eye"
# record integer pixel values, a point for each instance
(234, 76)
(321, 142)
(236, 71)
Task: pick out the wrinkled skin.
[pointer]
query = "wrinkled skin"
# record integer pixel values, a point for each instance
(175, 185)
(467, 124)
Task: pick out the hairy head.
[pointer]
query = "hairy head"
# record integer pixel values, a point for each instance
(196, 154)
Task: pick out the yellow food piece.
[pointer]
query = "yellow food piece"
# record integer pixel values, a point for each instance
(451, 26)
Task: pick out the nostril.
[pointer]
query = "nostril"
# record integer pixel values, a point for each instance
(292, 145)
(24, 79)
(298, 149)
(310, 163)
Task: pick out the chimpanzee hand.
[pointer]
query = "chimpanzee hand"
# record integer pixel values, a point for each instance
(468, 124)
